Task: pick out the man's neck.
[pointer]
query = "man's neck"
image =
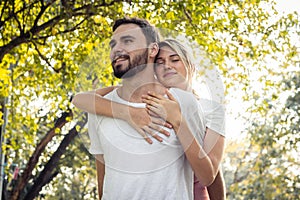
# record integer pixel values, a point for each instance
(134, 87)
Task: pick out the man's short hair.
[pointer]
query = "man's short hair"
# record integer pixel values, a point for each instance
(149, 30)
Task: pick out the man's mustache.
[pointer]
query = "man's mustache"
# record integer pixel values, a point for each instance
(120, 57)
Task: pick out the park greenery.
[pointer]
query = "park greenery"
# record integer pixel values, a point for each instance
(51, 49)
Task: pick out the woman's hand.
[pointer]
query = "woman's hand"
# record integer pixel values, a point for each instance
(165, 108)
(147, 125)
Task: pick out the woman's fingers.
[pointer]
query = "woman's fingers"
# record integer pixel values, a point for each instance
(152, 133)
(171, 97)
(155, 95)
(156, 111)
(152, 98)
(152, 130)
(150, 102)
(156, 126)
(145, 136)
(161, 122)
(159, 129)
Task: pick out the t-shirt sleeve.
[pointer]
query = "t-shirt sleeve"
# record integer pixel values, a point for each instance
(95, 143)
(192, 113)
(195, 124)
(214, 114)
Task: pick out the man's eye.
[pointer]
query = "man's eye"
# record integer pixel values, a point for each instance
(111, 45)
(127, 41)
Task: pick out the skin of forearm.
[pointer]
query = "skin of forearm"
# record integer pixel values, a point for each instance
(217, 189)
(96, 104)
(100, 168)
(201, 163)
(93, 103)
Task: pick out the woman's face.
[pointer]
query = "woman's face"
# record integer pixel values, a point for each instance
(170, 69)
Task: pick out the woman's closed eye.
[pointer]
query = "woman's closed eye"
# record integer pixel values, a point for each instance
(159, 62)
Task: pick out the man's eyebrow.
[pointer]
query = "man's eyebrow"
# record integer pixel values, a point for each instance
(127, 37)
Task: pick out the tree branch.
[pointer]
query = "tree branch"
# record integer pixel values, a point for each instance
(46, 174)
(23, 38)
(18, 21)
(36, 154)
(74, 28)
(42, 56)
(13, 14)
(42, 11)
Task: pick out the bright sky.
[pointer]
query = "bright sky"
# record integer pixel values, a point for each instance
(288, 6)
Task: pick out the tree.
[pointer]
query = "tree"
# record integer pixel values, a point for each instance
(51, 49)
(270, 160)
(40, 60)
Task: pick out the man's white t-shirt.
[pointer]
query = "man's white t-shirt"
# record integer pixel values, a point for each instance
(135, 169)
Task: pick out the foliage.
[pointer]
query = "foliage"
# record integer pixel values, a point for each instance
(51, 49)
(270, 161)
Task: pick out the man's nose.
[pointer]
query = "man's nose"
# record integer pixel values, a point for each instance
(116, 51)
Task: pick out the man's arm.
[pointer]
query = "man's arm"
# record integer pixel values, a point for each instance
(217, 190)
(100, 167)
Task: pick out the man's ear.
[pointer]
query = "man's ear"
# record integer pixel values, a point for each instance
(153, 50)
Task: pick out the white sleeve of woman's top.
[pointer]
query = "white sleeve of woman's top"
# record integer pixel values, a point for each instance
(214, 115)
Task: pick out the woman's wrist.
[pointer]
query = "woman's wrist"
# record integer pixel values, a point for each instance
(176, 122)
(124, 112)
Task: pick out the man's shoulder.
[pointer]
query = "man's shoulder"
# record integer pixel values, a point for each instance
(187, 100)
(179, 91)
(180, 94)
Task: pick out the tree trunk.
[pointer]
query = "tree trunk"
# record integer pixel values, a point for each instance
(3, 110)
(47, 174)
(23, 180)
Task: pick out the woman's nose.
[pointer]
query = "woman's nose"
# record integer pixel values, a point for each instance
(167, 65)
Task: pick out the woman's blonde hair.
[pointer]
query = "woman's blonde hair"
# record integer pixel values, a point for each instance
(184, 55)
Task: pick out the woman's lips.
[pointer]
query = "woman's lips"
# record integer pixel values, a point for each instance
(169, 74)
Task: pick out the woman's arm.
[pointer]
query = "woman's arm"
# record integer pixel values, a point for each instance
(93, 102)
(217, 190)
(100, 169)
(204, 160)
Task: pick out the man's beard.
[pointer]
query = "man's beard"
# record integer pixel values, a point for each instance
(138, 63)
